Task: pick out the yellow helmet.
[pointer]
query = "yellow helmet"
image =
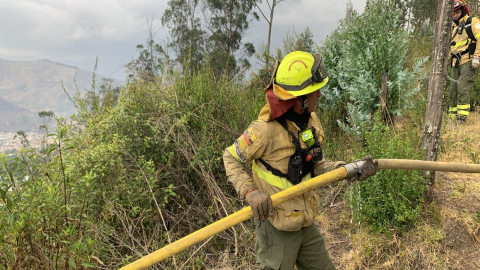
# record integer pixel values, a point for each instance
(299, 73)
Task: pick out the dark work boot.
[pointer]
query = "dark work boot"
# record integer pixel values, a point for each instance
(461, 119)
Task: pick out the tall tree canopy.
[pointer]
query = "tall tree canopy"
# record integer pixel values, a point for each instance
(217, 32)
(227, 22)
(188, 39)
(422, 22)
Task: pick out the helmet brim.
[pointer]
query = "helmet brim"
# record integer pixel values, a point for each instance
(280, 92)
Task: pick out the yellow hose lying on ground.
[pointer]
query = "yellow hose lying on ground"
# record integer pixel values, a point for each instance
(349, 170)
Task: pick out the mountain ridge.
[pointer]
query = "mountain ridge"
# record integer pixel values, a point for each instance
(6, 106)
(39, 85)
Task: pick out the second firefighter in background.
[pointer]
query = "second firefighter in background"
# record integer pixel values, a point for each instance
(465, 60)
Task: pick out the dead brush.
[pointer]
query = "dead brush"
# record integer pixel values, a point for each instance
(419, 248)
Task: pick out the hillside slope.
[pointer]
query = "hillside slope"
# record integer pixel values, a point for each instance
(6, 106)
(446, 237)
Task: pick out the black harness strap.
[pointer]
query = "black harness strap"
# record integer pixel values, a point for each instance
(307, 164)
(473, 44)
(468, 29)
(282, 121)
(273, 170)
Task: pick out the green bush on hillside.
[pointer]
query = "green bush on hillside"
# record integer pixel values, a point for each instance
(356, 54)
(46, 208)
(391, 198)
(132, 176)
(158, 155)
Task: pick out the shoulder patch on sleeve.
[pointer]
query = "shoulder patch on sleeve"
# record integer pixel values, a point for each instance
(239, 153)
(477, 25)
(249, 136)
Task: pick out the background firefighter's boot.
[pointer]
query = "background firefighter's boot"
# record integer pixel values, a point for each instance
(461, 119)
(473, 106)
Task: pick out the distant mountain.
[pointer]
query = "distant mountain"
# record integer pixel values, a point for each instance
(6, 106)
(14, 118)
(27, 87)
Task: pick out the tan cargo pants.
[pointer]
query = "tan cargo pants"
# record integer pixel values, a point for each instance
(281, 250)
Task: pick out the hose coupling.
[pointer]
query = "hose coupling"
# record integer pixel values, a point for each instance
(355, 168)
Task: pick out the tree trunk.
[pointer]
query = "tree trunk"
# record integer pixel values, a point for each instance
(387, 118)
(270, 24)
(436, 88)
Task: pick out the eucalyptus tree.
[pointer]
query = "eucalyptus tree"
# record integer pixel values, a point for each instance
(296, 41)
(272, 4)
(210, 29)
(227, 21)
(292, 41)
(183, 20)
(423, 16)
(109, 93)
(361, 51)
(152, 59)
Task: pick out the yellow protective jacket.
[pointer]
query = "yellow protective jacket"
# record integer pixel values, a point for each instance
(270, 141)
(461, 42)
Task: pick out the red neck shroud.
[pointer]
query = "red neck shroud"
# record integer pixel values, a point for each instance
(277, 106)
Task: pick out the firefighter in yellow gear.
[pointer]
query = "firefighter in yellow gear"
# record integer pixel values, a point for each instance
(465, 59)
(284, 147)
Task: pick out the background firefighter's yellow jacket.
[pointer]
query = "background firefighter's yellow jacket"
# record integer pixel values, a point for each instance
(270, 141)
(461, 41)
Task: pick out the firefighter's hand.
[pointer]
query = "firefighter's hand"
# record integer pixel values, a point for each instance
(475, 62)
(369, 168)
(261, 204)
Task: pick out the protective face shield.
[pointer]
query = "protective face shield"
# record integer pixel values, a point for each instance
(319, 71)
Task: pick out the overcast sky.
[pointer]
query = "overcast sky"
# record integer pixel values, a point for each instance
(76, 32)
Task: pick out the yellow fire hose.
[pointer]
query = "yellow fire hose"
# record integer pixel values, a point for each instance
(349, 170)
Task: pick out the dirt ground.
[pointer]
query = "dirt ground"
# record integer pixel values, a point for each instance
(446, 237)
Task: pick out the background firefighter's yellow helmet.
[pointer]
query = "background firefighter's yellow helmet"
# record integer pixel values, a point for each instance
(299, 73)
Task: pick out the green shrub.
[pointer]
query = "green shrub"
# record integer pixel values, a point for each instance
(475, 94)
(391, 198)
(45, 209)
(158, 158)
(357, 54)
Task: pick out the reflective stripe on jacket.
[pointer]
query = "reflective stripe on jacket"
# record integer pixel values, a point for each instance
(272, 143)
(461, 41)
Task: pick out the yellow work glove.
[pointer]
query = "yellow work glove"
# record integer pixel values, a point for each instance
(475, 62)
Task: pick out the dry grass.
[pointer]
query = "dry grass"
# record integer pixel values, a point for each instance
(446, 237)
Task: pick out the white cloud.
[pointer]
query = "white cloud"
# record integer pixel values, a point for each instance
(14, 52)
(321, 17)
(75, 32)
(310, 12)
(63, 22)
